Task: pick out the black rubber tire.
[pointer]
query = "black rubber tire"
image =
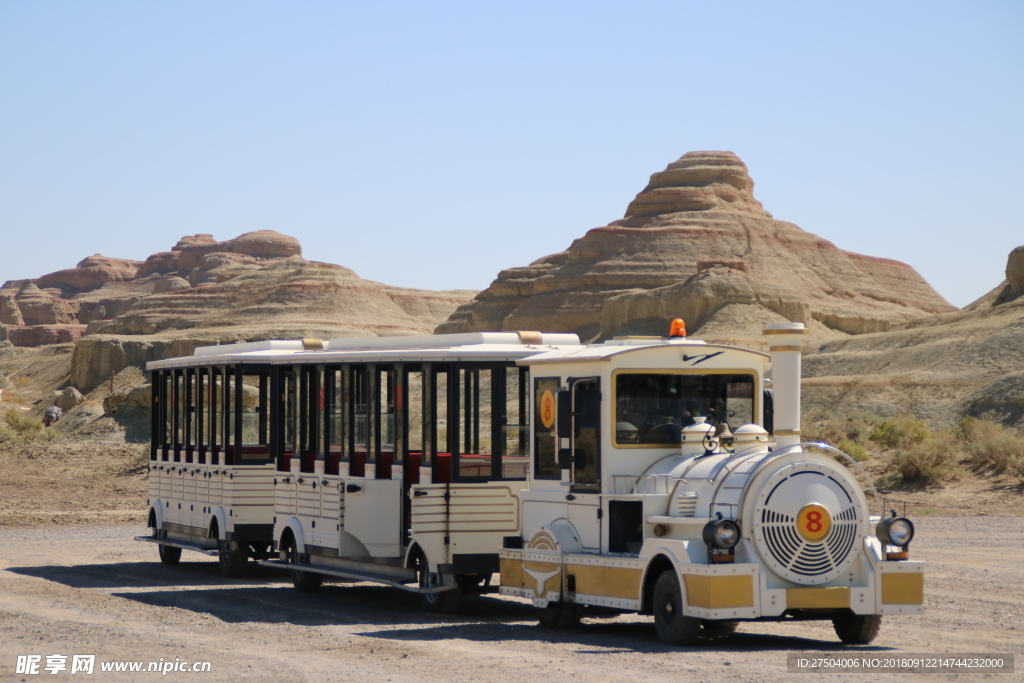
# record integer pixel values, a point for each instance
(558, 616)
(304, 582)
(719, 628)
(673, 627)
(856, 629)
(445, 602)
(169, 555)
(232, 562)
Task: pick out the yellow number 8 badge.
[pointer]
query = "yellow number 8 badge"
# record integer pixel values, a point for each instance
(813, 522)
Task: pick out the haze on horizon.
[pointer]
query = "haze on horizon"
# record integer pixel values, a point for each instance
(433, 146)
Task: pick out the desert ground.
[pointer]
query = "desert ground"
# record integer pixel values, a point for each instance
(72, 581)
(89, 589)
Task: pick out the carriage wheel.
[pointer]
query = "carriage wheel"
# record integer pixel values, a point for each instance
(169, 555)
(445, 602)
(232, 561)
(304, 582)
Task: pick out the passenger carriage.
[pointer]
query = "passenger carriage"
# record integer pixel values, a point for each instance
(393, 459)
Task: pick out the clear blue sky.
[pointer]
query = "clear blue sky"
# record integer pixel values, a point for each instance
(434, 144)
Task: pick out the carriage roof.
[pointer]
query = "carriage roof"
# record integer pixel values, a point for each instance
(474, 346)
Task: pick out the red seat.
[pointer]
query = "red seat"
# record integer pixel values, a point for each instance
(332, 466)
(357, 466)
(443, 468)
(308, 462)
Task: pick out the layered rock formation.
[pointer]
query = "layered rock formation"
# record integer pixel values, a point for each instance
(288, 297)
(696, 242)
(201, 292)
(942, 368)
(90, 273)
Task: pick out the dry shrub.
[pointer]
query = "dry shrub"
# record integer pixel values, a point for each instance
(22, 424)
(933, 460)
(1017, 469)
(991, 446)
(853, 427)
(902, 432)
(17, 428)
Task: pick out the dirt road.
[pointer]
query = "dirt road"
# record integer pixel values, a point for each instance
(92, 590)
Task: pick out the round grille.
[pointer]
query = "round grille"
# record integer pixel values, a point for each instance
(778, 538)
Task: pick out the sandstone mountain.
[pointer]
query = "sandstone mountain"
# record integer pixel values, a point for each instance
(696, 244)
(202, 291)
(942, 368)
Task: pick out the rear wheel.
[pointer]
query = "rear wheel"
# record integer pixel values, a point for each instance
(674, 628)
(559, 616)
(857, 629)
(232, 561)
(305, 582)
(444, 602)
(169, 555)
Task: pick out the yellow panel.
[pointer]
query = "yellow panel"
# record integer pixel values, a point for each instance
(811, 598)
(717, 592)
(903, 589)
(512, 573)
(609, 582)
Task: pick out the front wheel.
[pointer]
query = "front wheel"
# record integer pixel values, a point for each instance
(719, 628)
(169, 555)
(856, 629)
(304, 582)
(674, 628)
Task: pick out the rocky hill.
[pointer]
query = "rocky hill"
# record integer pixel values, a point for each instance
(123, 313)
(696, 244)
(942, 368)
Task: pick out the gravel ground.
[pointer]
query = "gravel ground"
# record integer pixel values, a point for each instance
(92, 590)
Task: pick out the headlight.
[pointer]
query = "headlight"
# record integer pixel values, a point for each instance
(895, 531)
(721, 533)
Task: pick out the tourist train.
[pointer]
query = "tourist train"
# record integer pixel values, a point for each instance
(665, 476)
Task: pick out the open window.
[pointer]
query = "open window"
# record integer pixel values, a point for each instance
(252, 402)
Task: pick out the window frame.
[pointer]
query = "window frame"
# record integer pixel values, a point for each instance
(757, 416)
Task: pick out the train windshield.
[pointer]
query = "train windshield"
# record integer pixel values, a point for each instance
(652, 408)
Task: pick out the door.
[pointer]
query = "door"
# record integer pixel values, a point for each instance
(586, 435)
(373, 514)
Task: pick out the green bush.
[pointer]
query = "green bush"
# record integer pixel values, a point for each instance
(900, 432)
(854, 450)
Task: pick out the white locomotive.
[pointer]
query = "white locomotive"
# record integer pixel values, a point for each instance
(650, 507)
